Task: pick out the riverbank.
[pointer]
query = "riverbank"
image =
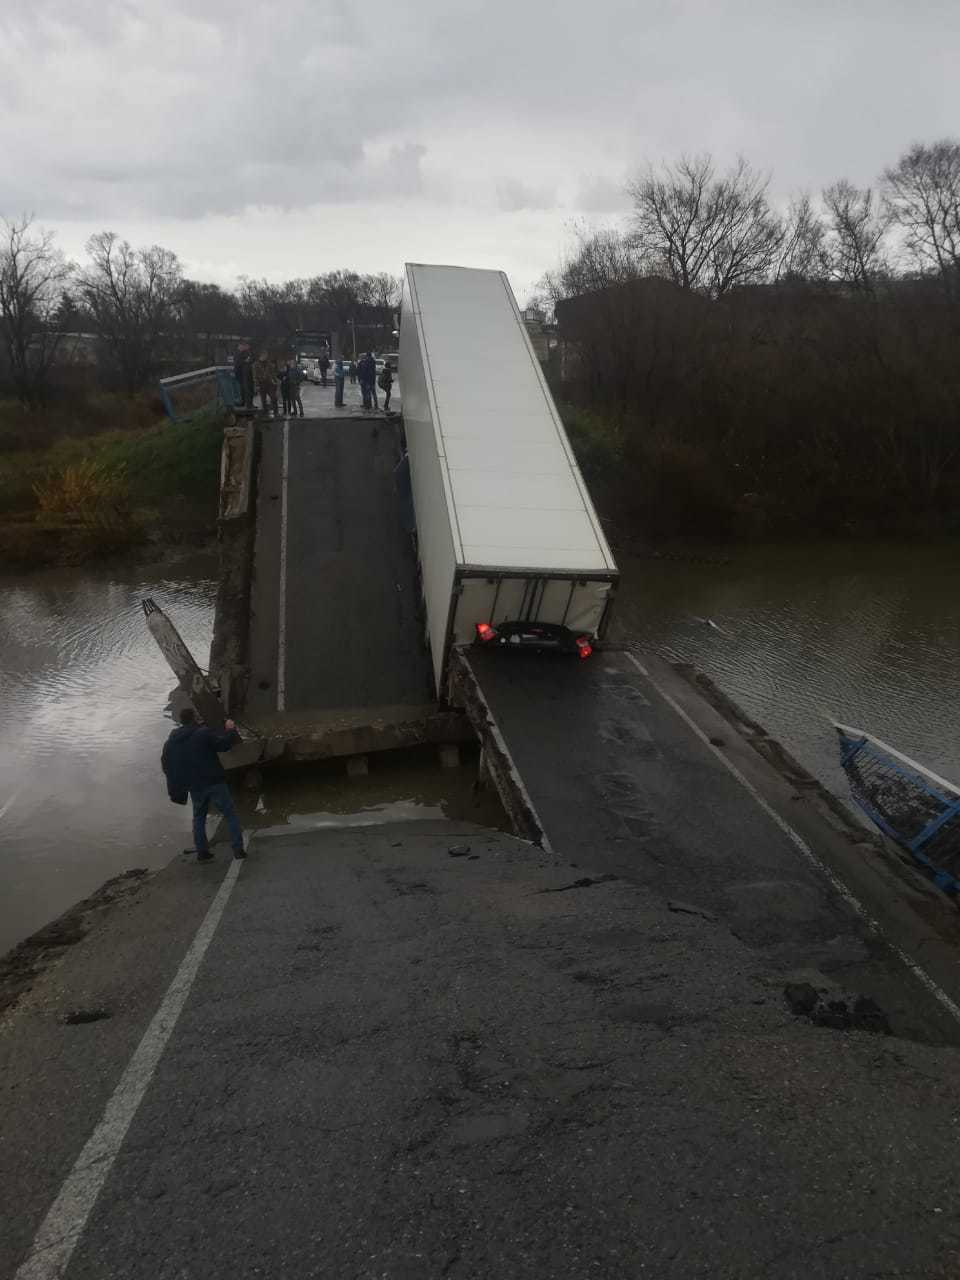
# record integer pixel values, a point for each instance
(113, 493)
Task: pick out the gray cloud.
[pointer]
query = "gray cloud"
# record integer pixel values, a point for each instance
(601, 195)
(143, 110)
(514, 195)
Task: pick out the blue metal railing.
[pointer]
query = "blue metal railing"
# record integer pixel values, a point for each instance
(187, 394)
(917, 809)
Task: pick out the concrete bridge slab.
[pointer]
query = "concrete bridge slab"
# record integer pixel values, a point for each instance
(334, 614)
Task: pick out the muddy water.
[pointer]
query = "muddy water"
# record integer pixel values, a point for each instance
(82, 695)
(83, 692)
(868, 634)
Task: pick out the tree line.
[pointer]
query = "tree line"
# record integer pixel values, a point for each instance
(144, 312)
(712, 232)
(734, 367)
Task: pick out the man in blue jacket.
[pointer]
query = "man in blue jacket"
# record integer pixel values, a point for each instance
(191, 764)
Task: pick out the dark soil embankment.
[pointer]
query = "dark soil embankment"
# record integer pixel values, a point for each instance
(20, 967)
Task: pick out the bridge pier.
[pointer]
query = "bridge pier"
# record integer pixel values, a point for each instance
(357, 766)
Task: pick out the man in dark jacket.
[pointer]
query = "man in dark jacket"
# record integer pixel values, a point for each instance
(191, 764)
(386, 385)
(296, 400)
(243, 372)
(367, 373)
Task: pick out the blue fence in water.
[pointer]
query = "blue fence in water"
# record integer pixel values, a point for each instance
(915, 807)
(187, 394)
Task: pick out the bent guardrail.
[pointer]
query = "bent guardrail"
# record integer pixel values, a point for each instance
(185, 395)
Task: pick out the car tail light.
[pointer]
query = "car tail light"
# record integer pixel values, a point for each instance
(584, 647)
(485, 632)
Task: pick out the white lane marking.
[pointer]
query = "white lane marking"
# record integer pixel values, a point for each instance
(9, 804)
(66, 1218)
(282, 620)
(852, 901)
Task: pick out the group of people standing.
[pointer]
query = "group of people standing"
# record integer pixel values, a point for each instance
(270, 374)
(364, 370)
(264, 375)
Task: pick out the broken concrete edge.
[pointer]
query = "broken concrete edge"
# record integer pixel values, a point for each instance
(463, 691)
(236, 471)
(827, 805)
(236, 535)
(35, 955)
(303, 746)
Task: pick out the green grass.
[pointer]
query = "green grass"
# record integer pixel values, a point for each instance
(175, 462)
(170, 480)
(171, 463)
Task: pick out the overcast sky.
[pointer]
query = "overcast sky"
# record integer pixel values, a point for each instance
(288, 139)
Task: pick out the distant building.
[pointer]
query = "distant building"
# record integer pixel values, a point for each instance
(542, 333)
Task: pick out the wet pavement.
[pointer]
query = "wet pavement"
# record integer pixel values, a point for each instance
(318, 402)
(622, 784)
(428, 1049)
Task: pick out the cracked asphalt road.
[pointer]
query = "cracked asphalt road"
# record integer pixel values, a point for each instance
(400, 1063)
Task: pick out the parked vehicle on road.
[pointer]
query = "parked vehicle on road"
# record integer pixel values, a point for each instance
(310, 368)
(511, 551)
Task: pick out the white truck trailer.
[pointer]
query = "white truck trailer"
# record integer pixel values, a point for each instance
(511, 550)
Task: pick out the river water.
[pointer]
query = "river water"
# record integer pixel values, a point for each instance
(82, 695)
(865, 633)
(83, 715)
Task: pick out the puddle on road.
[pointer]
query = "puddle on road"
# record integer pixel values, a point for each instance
(402, 786)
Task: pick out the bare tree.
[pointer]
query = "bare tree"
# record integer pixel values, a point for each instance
(599, 260)
(704, 231)
(382, 290)
(801, 255)
(922, 196)
(856, 230)
(34, 276)
(275, 311)
(750, 233)
(132, 295)
(205, 310)
(341, 291)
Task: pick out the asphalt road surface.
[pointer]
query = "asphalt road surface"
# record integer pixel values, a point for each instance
(427, 1050)
(334, 612)
(623, 784)
(418, 1050)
